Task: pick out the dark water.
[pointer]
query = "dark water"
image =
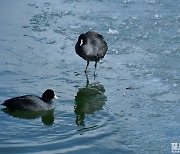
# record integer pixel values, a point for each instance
(132, 106)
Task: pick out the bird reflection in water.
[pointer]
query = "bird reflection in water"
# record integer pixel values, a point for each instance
(46, 116)
(88, 100)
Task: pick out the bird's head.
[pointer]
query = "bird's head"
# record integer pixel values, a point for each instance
(82, 39)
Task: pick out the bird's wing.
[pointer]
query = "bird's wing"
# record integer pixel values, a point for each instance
(20, 103)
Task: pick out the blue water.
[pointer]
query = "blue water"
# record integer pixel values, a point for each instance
(132, 106)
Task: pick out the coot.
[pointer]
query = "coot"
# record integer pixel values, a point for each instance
(32, 102)
(91, 47)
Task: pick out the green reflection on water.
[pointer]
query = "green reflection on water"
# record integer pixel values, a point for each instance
(46, 116)
(89, 99)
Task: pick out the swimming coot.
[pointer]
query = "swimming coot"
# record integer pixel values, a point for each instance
(91, 47)
(31, 102)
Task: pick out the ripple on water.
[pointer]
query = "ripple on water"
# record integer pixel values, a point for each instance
(62, 136)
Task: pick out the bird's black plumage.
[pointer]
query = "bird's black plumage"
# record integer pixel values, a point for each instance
(91, 47)
(31, 102)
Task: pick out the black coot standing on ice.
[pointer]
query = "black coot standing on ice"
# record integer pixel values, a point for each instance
(31, 102)
(91, 47)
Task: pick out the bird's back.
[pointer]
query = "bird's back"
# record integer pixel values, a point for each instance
(27, 102)
(96, 46)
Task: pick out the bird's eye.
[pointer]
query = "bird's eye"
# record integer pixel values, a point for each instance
(81, 43)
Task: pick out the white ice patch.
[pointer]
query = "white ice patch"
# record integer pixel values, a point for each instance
(111, 31)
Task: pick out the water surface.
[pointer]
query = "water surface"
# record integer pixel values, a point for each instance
(132, 106)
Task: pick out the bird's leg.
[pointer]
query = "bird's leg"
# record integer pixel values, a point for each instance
(95, 69)
(87, 80)
(87, 67)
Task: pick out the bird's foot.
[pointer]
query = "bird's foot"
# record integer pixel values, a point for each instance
(95, 75)
(86, 72)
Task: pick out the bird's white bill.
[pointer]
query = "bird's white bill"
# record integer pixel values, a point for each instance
(55, 97)
(81, 43)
